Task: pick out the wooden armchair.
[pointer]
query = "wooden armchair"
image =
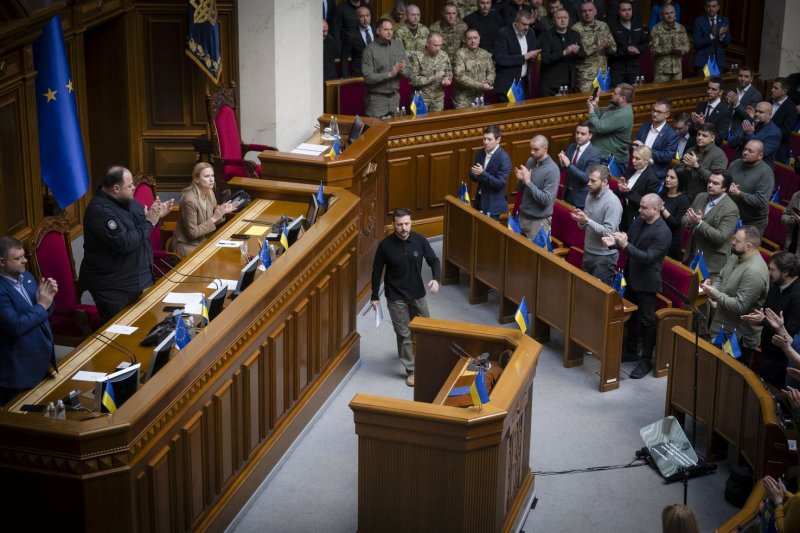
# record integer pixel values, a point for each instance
(565, 232)
(146, 194)
(228, 150)
(51, 257)
(679, 284)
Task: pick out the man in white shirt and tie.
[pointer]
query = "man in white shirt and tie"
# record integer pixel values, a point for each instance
(713, 110)
(744, 96)
(355, 41)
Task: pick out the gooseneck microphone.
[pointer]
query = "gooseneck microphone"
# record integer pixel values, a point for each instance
(217, 282)
(108, 341)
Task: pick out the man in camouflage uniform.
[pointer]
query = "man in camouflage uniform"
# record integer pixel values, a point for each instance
(397, 15)
(430, 72)
(597, 43)
(474, 70)
(413, 34)
(465, 7)
(668, 42)
(452, 30)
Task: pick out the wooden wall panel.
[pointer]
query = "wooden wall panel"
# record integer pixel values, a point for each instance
(14, 218)
(302, 341)
(224, 432)
(251, 403)
(324, 320)
(278, 390)
(167, 104)
(440, 180)
(403, 176)
(195, 462)
(161, 475)
(346, 299)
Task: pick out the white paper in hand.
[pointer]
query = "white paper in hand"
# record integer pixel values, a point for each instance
(378, 315)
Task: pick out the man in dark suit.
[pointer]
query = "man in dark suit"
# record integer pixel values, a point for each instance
(711, 35)
(355, 41)
(330, 49)
(511, 61)
(681, 127)
(329, 16)
(487, 21)
(659, 137)
(577, 160)
(561, 49)
(745, 95)
(784, 115)
(645, 246)
(491, 169)
(631, 43)
(761, 128)
(26, 341)
(713, 110)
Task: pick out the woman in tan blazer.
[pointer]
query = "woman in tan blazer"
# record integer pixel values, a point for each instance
(199, 212)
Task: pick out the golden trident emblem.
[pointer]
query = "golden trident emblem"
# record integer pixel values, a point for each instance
(204, 11)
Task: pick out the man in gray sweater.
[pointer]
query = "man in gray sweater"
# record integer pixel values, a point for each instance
(601, 216)
(537, 181)
(753, 181)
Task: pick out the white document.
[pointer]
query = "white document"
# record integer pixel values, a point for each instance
(315, 149)
(217, 283)
(378, 315)
(120, 329)
(228, 244)
(85, 375)
(183, 298)
(194, 308)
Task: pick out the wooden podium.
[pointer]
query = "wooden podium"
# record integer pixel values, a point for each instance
(361, 169)
(425, 466)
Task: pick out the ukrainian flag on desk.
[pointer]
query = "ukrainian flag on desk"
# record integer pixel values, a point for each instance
(478, 391)
(204, 312)
(513, 224)
(202, 41)
(731, 346)
(516, 93)
(619, 283)
(602, 81)
(418, 106)
(108, 400)
(61, 154)
(335, 148)
(711, 69)
(463, 193)
(284, 238)
(613, 167)
(521, 316)
(698, 264)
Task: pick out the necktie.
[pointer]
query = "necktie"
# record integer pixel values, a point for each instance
(708, 110)
(367, 35)
(575, 155)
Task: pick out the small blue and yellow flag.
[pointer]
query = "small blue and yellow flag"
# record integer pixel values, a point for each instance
(720, 339)
(776, 196)
(614, 168)
(182, 337)
(463, 193)
(521, 316)
(321, 198)
(711, 69)
(619, 283)
(264, 256)
(108, 400)
(335, 148)
(542, 239)
(513, 224)
(284, 238)
(698, 264)
(204, 311)
(731, 346)
(511, 93)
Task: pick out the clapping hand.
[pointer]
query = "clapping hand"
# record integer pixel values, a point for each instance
(748, 127)
(477, 169)
(693, 217)
(756, 316)
(775, 490)
(579, 216)
(46, 292)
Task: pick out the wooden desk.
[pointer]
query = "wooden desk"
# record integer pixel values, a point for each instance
(361, 169)
(588, 312)
(193, 444)
(733, 405)
(426, 467)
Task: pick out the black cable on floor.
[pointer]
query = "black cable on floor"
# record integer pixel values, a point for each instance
(636, 462)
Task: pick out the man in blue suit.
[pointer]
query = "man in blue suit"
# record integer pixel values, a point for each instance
(659, 137)
(761, 128)
(491, 169)
(711, 35)
(577, 160)
(26, 342)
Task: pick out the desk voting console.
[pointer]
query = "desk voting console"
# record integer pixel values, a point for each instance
(189, 448)
(589, 313)
(425, 466)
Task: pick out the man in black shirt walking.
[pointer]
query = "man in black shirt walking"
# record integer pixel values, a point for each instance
(399, 260)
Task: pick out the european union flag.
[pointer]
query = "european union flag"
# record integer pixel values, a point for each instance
(61, 155)
(321, 198)
(521, 316)
(711, 69)
(776, 196)
(613, 167)
(619, 283)
(731, 346)
(418, 106)
(543, 239)
(181, 333)
(519, 91)
(698, 264)
(202, 43)
(719, 340)
(108, 400)
(264, 255)
(513, 224)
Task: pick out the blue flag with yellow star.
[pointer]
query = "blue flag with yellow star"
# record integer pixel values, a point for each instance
(61, 155)
(202, 43)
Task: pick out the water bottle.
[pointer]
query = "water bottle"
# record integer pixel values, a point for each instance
(397, 111)
(189, 320)
(481, 103)
(403, 111)
(243, 250)
(50, 412)
(61, 411)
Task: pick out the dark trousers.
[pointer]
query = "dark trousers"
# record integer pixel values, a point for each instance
(643, 322)
(7, 394)
(109, 302)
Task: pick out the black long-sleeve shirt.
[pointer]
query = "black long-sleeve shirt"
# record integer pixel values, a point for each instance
(400, 264)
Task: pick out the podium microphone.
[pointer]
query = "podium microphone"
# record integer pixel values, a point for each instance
(108, 341)
(217, 281)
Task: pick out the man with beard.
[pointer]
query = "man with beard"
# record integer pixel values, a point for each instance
(117, 255)
(745, 95)
(703, 159)
(740, 288)
(752, 185)
(561, 50)
(631, 43)
(613, 125)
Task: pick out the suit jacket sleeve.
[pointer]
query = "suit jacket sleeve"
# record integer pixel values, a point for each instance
(750, 288)
(656, 248)
(503, 55)
(701, 34)
(16, 321)
(194, 219)
(496, 177)
(723, 232)
(668, 146)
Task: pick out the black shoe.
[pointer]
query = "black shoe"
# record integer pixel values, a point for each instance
(629, 357)
(642, 370)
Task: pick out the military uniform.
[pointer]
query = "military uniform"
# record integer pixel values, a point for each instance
(472, 69)
(452, 37)
(412, 41)
(596, 57)
(666, 65)
(423, 69)
(465, 7)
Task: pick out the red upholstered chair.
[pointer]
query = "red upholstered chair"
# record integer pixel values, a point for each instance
(678, 285)
(562, 184)
(575, 257)
(775, 232)
(646, 66)
(146, 193)
(765, 254)
(787, 180)
(406, 93)
(729, 152)
(51, 257)
(351, 97)
(565, 231)
(794, 144)
(228, 148)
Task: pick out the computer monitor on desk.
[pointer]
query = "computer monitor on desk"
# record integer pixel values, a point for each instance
(357, 129)
(246, 277)
(312, 213)
(123, 384)
(216, 301)
(161, 354)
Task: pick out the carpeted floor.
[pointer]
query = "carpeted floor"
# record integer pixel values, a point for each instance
(574, 427)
